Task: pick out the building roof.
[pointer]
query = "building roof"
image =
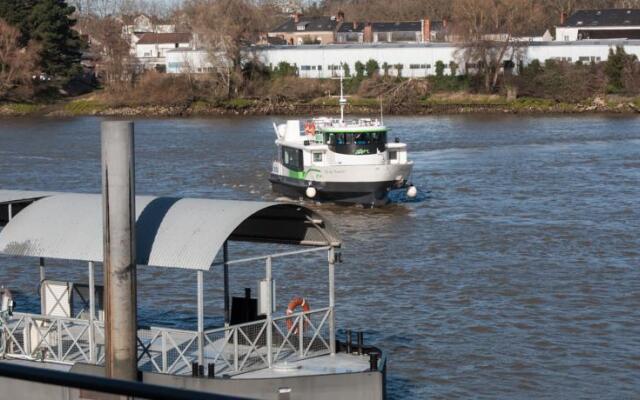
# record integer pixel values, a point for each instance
(407, 26)
(170, 232)
(311, 24)
(607, 17)
(159, 38)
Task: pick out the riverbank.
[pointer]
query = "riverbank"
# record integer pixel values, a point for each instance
(435, 104)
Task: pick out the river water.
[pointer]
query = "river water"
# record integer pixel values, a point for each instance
(516, 274)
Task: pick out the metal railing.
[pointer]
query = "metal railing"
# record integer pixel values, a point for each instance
(46, 338)
(233, 350)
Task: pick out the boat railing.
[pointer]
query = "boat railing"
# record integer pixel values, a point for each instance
(47, 338)
(232, 350)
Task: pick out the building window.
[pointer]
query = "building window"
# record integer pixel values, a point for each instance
(305, 67)
(393, 155)
(319, 67)
(177, 45)
(566, 38)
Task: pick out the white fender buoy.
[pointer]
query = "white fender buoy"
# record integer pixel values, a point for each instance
(311, 192)
(412, 192)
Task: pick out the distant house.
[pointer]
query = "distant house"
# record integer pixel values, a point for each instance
(298, 30)
(392, 32)
(600, 24)
(151, 48)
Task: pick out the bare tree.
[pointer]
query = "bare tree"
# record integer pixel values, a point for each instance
(114, 63)
(223, 28)
(18, 65)
(490, 30)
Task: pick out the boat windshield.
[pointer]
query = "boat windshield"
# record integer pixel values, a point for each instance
(356, 143)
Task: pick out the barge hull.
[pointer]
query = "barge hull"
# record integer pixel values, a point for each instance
(365, 193)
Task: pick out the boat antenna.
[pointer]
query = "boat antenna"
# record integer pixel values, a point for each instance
(343, 100)
(381, 116)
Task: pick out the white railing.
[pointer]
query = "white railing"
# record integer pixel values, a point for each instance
(234, 349)
(37, 337)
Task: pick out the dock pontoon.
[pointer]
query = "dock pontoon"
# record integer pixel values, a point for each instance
(258, 351)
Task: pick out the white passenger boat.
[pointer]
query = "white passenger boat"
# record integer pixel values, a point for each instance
(341, 161)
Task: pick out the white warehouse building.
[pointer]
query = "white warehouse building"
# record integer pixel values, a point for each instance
(419, 59)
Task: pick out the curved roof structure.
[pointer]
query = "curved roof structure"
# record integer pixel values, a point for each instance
(170, 232)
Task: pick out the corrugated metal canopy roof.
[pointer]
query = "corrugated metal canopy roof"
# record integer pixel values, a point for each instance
(170, 232)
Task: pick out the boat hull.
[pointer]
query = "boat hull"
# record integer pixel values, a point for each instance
(365, 193)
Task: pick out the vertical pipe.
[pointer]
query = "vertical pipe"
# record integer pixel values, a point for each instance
(42, 273)
(200, 317)
(10, 211)
(332, 300)
(118, 205)
(225, 257)
(268, 321)
(92, 313)
(349, 342)
(301, 334)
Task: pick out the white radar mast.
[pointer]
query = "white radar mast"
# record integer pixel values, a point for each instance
(343, 100)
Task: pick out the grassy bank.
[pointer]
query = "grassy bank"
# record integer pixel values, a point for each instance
(452, 103)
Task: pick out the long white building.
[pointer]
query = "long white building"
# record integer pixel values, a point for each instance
(419, 59)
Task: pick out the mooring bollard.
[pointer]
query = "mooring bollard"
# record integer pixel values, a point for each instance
(211, 370)
(194, 369)
(373, 361)
(360, 343)
(349, 349)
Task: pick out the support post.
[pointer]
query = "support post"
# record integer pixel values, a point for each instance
(10, 211)
(200, 317)
(225, 258)
(269, 310)
(42, 273)
(92, 314)
(118, 205)
(332, 300)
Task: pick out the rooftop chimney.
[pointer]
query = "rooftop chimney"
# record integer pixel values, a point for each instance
(444, 23)
(296, 17)
(355, 25)
(368, 33)
(426, 30)
(340, 17)
(563, 18)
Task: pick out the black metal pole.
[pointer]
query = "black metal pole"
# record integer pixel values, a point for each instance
(360, 343)
(225, 257)
(349, 339)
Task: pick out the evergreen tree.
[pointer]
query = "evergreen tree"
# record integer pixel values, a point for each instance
(48, 23)
(614, 68)
(360, 69)
(51, 26)
(372, 67)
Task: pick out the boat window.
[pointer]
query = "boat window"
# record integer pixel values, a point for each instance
(393, 155)
(358, 143)
(292, 159)
(317, 157)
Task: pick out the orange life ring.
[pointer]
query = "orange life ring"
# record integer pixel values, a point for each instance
(293, 304)
(309, 128)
